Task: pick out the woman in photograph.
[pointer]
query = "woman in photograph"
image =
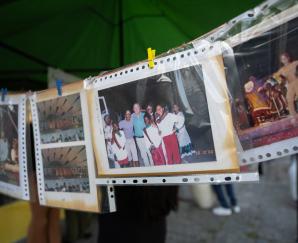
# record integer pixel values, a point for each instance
(118, 146)
(287, 73)
(127, 126)
(149, 111)
(153, 141)
(166, 124)
(185, 145)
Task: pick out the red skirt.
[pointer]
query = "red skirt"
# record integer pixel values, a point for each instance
(158, 156)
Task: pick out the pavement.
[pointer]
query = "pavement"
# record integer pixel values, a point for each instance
(268, 214)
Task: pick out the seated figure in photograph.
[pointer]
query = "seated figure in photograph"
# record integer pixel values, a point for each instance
(185, 145)
(127, 126)
(154, 141)
(138, 127)
(166, 123)
(118, 146)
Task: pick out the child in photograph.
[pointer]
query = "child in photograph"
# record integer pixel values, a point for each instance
(166, 124)
(185, 145)
(287, 73)
(118, 146)
(108, 136)
(154, 141)
(138, 127)
(127, 126)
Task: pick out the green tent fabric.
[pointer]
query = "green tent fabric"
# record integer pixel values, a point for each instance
(85, 37)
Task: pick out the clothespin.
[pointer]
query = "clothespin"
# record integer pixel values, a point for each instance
(59, 87)
(3, 94)
(151, 57)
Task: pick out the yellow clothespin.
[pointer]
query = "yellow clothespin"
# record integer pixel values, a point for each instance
(151, 57)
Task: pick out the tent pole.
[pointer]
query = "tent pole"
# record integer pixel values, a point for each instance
(24, 54)
(121, 33)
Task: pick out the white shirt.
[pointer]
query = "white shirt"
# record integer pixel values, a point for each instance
(120, 153)
(108, 131)
(154, 136)
(166, 126)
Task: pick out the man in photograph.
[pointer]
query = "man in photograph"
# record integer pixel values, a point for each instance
(127, 126)
(138, 126)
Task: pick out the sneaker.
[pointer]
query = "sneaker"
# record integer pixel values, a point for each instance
(221, 211)
(236, 209)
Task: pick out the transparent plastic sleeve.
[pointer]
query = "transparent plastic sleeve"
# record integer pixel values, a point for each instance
(172, 119)
(262, 72)
(63, 150)
(13, 154)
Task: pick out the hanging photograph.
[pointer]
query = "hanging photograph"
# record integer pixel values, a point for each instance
(160, 123)
(65, 169)
(64, 156)
(60, 120)
(13, 160)
(264, 86)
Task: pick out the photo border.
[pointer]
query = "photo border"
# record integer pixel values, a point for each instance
(80, 201)
(21, 191)
(210, 58)
(281, 148)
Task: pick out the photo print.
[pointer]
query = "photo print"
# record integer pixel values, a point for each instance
(65, 169)
(13, 155)
(64, 155)
(168, 122)
(60, 120)
(264, 87)
(9, 152)
(160, 120)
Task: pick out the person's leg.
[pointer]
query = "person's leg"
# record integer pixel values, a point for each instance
(85, 221)
(54, 231)
(134, 153)
(38, 226)
(72, 225)
(291, 98)
(167, 144)
(220, 196)
(143, 151)
(128, 150)
(175, 149)
(231, 194)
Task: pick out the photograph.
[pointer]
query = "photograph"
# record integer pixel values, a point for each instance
(266, 94)
(65, 169)
(157, 121)
(9, 153)
(60, 119)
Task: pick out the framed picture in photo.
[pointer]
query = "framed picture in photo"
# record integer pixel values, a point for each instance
(262, 69)
(64, 156)
(13, 154)
(172, 119)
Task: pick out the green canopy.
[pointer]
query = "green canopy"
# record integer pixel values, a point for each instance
(85, 37)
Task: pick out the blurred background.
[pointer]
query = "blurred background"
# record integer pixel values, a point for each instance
(39, 39)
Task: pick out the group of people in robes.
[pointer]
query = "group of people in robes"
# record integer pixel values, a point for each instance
(276, 97)
(147, 137)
